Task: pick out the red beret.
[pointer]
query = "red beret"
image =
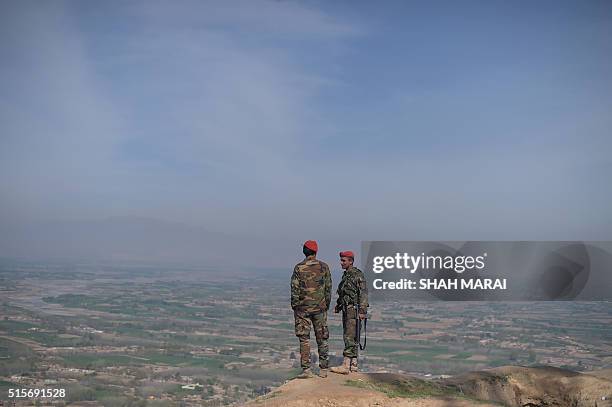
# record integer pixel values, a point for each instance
(347, 253)
(312, 245)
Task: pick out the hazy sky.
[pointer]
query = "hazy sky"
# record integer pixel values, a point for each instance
(297, 120)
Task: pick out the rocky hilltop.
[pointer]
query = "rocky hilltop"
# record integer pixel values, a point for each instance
(502, 386)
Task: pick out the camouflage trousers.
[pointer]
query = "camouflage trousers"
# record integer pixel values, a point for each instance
(303, 320)
(349, 327)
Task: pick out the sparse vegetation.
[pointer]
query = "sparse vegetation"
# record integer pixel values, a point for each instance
(405, 388)
(412, 388)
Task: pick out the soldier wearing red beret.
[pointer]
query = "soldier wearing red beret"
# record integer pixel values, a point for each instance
(310, 299)
(352, 290)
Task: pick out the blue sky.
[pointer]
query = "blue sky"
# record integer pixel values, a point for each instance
(344, 121)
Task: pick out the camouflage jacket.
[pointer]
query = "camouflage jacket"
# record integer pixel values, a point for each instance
(311, 286)
(353, 286)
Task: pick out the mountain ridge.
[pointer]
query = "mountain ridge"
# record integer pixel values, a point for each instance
(506, 386)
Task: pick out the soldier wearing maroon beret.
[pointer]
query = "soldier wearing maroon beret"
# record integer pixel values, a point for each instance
(352, 290)
(310, 299)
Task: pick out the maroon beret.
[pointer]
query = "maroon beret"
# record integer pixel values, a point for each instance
(312, 245)
(347, 253)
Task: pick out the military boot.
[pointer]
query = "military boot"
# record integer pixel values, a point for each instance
(306, 374)
(323, 373)
(354, 366)
(344, 368)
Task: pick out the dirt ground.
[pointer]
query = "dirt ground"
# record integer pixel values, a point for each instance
(507, 385)
(332, 392)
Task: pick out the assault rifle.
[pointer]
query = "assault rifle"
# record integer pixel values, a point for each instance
(358, 326)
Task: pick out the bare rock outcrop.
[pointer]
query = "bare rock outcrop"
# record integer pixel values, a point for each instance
(508, 385)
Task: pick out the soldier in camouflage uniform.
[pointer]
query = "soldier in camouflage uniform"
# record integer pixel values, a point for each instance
(351, 290)
(310, 299)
